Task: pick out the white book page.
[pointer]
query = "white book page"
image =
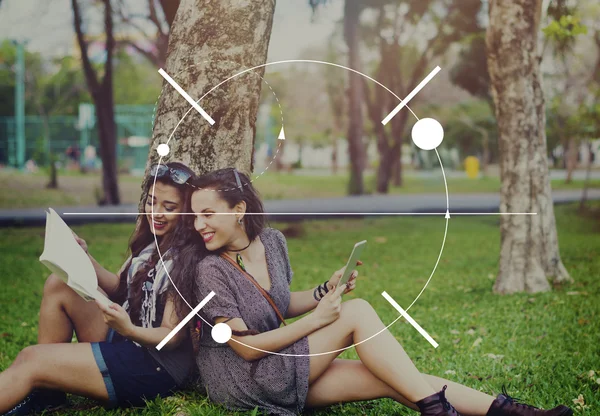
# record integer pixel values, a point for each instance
(65, 257)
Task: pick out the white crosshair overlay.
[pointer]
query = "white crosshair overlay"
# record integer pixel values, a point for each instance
(402, 104)
(410, 319)
(411, 95)
(186, 320)
(186, 96)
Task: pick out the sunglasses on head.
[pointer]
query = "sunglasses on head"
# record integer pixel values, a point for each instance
(238, 181)
(178, 176)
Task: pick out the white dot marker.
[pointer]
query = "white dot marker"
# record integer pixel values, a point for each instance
(427, 133)
(163, 149)
(221, 333)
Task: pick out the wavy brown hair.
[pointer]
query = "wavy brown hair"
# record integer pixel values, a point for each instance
(143, 236)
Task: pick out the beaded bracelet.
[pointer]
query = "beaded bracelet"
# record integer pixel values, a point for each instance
(315, 294)
(321, 288)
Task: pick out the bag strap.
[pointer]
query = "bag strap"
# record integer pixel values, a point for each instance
(259, 287)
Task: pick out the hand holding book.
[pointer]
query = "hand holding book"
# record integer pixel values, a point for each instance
(66, 257)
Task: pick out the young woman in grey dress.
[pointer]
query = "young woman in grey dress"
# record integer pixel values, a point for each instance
(284, 369)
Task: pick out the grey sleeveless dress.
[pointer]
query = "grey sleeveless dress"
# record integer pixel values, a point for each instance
(277, 384)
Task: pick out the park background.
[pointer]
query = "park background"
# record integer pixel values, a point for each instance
(543, 344)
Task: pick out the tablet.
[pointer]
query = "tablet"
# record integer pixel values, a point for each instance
(354, 257)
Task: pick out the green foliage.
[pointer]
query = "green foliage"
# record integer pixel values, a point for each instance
(33, 70)
(564, 27)
(563, 30)
(578, 124)
(467, 125)
(136, 81)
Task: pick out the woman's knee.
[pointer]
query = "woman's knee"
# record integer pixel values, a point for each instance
(29, 362)
(27, 356)
(54, 285)
(358, 309)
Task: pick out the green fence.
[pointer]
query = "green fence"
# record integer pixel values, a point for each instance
(55, 134)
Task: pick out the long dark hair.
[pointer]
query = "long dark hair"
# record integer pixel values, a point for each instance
(143, 236)
(189, 250)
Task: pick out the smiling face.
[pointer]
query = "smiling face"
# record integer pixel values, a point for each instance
(166, 200)
(217, 230)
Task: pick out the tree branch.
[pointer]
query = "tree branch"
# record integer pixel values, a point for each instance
(90, 73)
(110, 45)
(156, 61)
(154, 18)
(426, 56)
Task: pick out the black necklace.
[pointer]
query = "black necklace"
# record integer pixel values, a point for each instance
(242, 249)
(238, 256)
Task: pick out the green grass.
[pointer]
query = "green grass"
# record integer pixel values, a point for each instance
(18, 190)
(548, 341)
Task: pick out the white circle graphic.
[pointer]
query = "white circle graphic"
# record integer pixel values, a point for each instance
(427, 133)
(221, 333)
(163, 149)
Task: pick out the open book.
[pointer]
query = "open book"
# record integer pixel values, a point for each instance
(65, 258)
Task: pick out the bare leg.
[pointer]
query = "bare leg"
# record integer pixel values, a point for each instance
(64, 311)
(66, 367)
(384, 357)
(327, 389)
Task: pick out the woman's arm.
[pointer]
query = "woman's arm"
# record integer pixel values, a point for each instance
(117, 318)
(107, 281)
(253, 347)
(302, 302)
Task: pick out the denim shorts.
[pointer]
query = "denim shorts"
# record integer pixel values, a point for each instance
(130, 373)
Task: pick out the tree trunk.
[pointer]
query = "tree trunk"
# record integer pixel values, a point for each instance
(586, 182)
(52, 173)
(485, 157)
(210, 42)
(102, 94)
(386, 160)
(334, 155)
(571, 159)
(398, 127)
(105, 120)
(356, 151)
(397, 170)
(529, 252)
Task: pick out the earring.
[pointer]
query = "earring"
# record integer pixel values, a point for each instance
(239, 220)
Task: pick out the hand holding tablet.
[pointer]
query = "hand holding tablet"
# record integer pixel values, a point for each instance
(352, 261)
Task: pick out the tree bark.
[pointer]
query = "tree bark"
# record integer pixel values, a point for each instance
(210, 42)
(356, 147)
(529, 253)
